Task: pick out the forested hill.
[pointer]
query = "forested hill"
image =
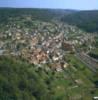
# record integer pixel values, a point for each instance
(34, 13)
(87, 20)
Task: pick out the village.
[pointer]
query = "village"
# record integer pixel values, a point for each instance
(45, 43)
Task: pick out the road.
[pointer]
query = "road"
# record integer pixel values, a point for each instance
(88, 61)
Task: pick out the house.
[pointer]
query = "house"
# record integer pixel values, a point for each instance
(95, 98)
(57, 66)
(18, 36)
(34, 41)
(65, 65)
(55, 58)
(38, 56)
(67, 46)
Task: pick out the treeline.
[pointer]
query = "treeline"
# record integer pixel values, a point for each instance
(37, 14)
(21, 81)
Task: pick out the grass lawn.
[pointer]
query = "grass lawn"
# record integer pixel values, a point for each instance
(82, 76)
